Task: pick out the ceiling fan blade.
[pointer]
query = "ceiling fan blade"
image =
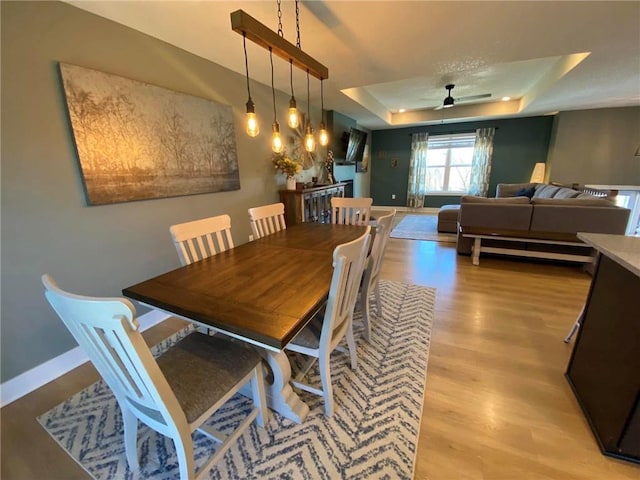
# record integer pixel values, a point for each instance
(473, 97)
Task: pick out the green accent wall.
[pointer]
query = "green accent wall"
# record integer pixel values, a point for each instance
(518, 145)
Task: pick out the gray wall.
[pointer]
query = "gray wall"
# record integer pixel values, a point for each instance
(596, 147)
(47, 226)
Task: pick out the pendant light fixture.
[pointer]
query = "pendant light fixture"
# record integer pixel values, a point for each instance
(309, 141)
(260, 34)
(253, 129)
(323, 135)
(292, 118)
(276, 140)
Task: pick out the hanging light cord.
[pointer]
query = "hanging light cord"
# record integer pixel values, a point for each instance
(273, 91)
(297, 25)
(322, 96)
(308, 100)
(291, 75)
(246, 61)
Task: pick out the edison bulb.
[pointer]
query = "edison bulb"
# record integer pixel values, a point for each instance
(309, 142)
(252, 124)
(323, 136)
(276, 140)
(292, 118)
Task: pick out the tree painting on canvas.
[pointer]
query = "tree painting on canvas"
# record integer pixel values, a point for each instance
(137, 141)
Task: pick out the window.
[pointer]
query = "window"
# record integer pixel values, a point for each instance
(630, 199)
(449, 159)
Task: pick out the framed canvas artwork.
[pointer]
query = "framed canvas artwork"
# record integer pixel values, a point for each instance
(137, 141)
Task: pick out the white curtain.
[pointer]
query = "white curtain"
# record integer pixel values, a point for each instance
(417, 186)
(481, 165)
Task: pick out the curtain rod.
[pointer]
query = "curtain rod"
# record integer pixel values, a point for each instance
(456, 131)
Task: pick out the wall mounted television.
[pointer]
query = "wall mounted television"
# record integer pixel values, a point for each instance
(355, 149)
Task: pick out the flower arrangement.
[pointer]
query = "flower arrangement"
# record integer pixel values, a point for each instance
(286, 165)
(328, 164)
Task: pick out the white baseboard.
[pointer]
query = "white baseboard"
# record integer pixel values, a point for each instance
(48, 371)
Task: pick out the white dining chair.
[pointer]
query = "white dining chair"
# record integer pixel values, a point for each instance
(351, 211)
(266, 220)
(173, 394)
(327, 329)
(203, 238)
(371, 277)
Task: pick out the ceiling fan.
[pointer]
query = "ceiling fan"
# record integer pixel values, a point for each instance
(449, 101)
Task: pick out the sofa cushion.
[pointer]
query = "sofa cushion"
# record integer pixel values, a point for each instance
(584, 201)
(496, 215)
(510, 189)
(499, 200)
(545, 191)
(566, 193)
(567, 217)
(526, 192)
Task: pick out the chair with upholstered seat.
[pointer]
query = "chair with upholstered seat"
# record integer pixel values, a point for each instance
(266, 219)
(325, 331)
(202, 238)
(173, 394)
(351, 211)
(371, 277)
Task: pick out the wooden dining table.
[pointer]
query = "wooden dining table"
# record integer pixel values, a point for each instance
(262, 292)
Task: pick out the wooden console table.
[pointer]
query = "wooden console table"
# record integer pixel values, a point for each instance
(310, 204)
(604, 369)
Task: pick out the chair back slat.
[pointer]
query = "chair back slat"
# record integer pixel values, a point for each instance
(132, 378)
(351, 211)
(380, 240)
(266, 219)
(106, 329)
(202, 238)
(104, 341)
(348, 265)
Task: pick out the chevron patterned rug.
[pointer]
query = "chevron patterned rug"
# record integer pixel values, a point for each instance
(372, 434)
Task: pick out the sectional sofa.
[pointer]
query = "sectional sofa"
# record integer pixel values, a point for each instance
(535, 220)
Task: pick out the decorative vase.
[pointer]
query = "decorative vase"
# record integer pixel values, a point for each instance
(291, 183)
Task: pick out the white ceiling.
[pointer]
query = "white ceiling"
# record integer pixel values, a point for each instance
(548, 56)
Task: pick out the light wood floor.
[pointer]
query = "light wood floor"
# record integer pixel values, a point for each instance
(496, 405)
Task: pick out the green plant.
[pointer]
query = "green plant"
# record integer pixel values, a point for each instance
(286, 165)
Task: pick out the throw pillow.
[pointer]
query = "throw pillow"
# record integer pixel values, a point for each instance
(526, 192)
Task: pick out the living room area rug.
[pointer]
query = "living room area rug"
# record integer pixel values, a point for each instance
(421, 227)
(372, 434)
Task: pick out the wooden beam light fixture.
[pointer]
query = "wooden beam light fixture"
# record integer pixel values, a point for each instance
(245, 24)
(251, 29)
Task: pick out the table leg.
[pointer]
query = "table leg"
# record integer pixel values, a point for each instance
(476, 251)
(280, 395)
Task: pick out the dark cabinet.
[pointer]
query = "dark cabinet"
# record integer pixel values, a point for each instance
(604, 369)
(348, 188)
(630, 442)
(310, 204)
